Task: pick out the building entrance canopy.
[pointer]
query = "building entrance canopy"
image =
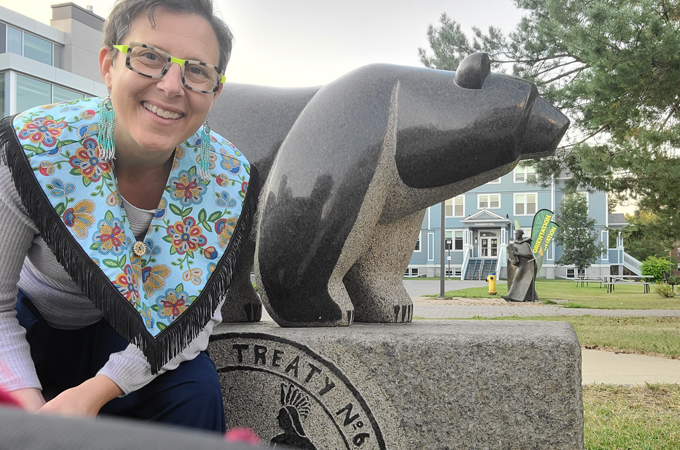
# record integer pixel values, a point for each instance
(485, 219)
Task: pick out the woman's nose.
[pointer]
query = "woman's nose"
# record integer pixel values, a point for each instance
(171, 83)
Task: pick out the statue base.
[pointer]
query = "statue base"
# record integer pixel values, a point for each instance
(428, 384)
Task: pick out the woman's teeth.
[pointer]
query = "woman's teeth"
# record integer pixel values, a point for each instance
(161, 112)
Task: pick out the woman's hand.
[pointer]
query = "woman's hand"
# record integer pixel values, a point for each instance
(31, 399)
(85, 399)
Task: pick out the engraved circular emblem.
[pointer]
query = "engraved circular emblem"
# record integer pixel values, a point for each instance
(139, 248)
(291, 396)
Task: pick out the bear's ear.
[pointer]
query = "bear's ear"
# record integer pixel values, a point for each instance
(473, 70)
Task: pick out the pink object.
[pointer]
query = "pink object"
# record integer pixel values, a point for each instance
(244, 435)
(7, 399)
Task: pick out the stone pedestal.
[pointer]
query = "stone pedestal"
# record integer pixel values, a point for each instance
(424, 385)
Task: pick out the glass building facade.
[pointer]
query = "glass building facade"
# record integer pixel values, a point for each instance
(38, 64)
(14, 40)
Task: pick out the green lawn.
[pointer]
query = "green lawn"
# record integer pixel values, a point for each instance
(632, 418)
(656, 336)
(626, 296)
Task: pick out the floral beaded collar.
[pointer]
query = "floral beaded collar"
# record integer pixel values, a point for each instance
(160, 292)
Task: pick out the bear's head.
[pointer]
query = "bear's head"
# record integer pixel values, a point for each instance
(476, 123)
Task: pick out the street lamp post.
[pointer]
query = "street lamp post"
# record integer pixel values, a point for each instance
(442, 222)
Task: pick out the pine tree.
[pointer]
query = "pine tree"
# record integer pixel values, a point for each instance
(576, 234)
(613, 67)
(644, 237)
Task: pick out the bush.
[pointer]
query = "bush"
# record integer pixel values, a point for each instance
(674, 280)
(664, 290)
(655, 267)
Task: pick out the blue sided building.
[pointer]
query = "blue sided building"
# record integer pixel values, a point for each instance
(479, 225)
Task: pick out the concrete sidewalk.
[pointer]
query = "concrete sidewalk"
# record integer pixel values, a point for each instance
(620, 368)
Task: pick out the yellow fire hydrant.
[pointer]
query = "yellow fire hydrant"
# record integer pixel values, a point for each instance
(492, 283)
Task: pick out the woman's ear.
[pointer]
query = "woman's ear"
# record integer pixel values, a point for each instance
(106, 65)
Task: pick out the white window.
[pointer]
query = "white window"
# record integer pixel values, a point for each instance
(605, 245)
(13, 40)
(430, 246)
(32, 92)
(496, 181)
(526, 204)
(454, 240)
(572, 272)
(489, 201)
(2, 95)
(60, 94)
(455, 207)
(37, 49)
(411, 272)
(417, 249)
(524, 173)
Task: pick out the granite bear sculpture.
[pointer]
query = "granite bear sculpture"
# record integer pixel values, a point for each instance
(348, 170)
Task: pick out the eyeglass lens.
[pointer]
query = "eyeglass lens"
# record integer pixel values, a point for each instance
(153, 62)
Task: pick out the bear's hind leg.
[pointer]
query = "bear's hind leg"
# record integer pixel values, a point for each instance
(374, 282)
(243, 303)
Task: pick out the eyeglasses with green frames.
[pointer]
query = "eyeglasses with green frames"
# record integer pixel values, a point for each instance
(154, 63)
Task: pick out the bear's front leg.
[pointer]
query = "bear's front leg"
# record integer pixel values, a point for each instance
(374, 282)
(312, 303)
(299, 263)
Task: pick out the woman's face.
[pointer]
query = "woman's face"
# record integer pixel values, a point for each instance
(140, 131)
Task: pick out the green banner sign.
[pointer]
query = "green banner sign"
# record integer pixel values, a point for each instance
(542, 233)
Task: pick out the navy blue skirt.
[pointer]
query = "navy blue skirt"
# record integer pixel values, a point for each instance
(188, 396)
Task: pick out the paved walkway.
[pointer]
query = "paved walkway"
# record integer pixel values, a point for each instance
(620, 368)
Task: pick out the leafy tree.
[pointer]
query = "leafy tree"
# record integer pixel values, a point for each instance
(576, 234)
(655, 267)
(646, 236)
(613, 67)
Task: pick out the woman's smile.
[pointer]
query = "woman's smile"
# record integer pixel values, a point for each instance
(161, 112)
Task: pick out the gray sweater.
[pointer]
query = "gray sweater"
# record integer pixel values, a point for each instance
(27, 263)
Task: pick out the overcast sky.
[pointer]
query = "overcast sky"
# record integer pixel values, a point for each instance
(305, 42)
(309, 43)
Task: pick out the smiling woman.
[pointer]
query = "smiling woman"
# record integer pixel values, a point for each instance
(109, 212)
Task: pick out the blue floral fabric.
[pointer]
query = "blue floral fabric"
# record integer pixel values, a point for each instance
(190, 230)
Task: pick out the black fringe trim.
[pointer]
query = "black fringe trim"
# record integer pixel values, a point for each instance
(115, 308)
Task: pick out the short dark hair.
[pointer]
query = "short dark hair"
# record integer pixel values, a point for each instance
(124, 12)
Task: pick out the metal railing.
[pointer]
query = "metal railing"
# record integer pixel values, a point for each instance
(501, 260)
(632, 264)
(467, 250)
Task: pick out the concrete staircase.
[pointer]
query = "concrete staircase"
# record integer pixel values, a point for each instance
(480, 268)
